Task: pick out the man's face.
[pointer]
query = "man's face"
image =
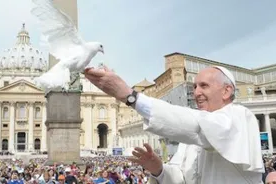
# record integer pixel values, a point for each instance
(14, 176)
(209, 90)
(271, 178)
(27, 178)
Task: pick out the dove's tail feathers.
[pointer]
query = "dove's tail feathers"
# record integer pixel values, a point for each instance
(58, 79)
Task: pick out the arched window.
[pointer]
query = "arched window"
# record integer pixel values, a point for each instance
(102, 113)
(4, 145)
(37, 144)
(37, 113)
(21, 111)
(5, 114)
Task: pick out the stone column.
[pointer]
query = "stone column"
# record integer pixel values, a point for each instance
(12, 125)
(148, 140)
(31, 127)
(268, 130)
(96, 141)
(113, 122)
(109, 139)
(121, 142)
(119, 139)
(15, 140)
(92, 125)
(44, 129)
(88, 125)
(1, 125)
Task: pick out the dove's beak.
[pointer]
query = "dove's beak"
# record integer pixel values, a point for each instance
(102, 51)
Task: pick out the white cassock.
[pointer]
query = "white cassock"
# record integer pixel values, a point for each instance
(219, 147)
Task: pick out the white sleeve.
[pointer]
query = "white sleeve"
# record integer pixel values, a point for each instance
(170, 174)
(173, 171)
(143, 105)
(191, 135)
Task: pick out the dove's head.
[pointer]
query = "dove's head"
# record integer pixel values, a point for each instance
(96, 46)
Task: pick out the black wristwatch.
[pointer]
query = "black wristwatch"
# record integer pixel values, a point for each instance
(131, 99)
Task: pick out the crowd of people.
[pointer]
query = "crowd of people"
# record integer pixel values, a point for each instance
(93, 170)
(270, 164)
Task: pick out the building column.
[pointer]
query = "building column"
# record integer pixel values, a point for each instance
(112, 115)
(148, 139)
(96, 138)
(92, 126)
(268, 130)
(15, 140)
(31, 127)
(109, 139)
(95, 134)
(88, 126)
(12, 125)
(1, 125)
(119, 139)
(44, 129)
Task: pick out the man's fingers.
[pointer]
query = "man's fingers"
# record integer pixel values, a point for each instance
(149, 148)
(141, 150)
(87, 69)
(106, 68)
(137, 154)
(134, 159)
(93, 79)
(94, 72)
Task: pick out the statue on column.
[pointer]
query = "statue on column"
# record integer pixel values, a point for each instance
(75, 84)
(249, 91)
(263, 90)
(237, 92)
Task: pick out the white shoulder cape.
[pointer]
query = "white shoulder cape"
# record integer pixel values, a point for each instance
(232, 131)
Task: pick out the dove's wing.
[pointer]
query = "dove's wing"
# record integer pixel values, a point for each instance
(58, 29)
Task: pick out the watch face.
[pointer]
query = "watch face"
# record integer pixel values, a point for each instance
(131, 99)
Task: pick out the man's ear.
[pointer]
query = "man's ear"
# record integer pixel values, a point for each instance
(228, 91)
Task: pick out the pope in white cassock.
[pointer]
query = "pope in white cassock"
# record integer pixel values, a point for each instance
(220, 142)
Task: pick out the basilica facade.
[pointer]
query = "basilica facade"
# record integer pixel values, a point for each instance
(23, 105)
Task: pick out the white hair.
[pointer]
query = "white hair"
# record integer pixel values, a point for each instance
(226, 81)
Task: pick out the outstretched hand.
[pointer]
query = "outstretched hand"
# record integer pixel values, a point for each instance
(148, 159)
(108, 82)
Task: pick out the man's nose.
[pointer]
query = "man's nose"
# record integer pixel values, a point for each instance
(197, 92)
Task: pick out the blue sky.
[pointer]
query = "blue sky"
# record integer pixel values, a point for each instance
(137, 34)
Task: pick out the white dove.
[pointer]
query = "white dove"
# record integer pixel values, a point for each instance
(65, 43)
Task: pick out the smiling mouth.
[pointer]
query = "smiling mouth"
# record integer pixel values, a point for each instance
(200, 101)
